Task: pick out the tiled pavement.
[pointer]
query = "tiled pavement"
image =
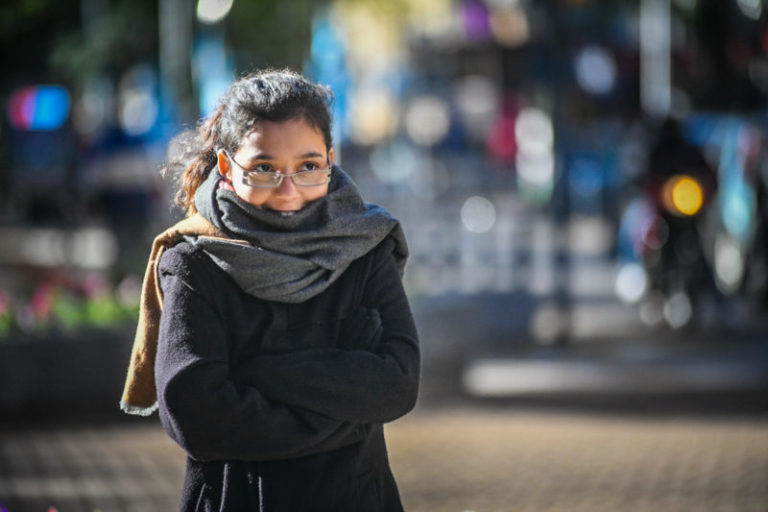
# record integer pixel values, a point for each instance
(81, 467)
(451, 459)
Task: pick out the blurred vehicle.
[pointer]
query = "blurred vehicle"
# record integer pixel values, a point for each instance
(664, 232)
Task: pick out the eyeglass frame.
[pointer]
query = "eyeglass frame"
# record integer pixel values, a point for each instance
(246, 172)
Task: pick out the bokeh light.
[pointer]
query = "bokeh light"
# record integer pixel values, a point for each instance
(94, 109)
(427, 119)
(213, 69)
(595, 70)
(534, 132)
(476, 19)
(729, 263)
(478, 100)
(752, 9)
(372, 116)
(393, 163)
(509, 25)
(213, 11)
(138, 105)
(536, 171)
(652, 309)
(678, 310)
(631, 282)
(683, 195)
(535, 159)
(42, 107)
(737, 202)
(478, 214)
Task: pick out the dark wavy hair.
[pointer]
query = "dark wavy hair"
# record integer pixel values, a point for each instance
(268, 95)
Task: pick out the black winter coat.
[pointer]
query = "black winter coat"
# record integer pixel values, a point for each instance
(280, 406)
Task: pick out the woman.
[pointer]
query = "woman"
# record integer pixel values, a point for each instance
(285, 339)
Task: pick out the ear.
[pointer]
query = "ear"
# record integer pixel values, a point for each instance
(223, 163)
(331, 157)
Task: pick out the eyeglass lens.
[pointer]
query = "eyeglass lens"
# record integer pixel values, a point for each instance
(301, 179)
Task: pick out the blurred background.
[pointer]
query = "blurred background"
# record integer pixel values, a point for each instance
(583, 187)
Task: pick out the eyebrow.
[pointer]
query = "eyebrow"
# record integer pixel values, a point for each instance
(266, 156)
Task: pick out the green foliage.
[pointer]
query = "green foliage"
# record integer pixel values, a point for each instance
(15, 17)
(63, 310)
(104, 312)
(69, 312)
(102, 46)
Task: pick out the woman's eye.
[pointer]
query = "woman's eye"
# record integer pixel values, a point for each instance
(263, 168)
(309, 166)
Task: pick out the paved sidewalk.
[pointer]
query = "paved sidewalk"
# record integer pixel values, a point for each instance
(488, 461)
(451, 459)
(130, 467)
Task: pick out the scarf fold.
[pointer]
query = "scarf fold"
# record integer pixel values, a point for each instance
(292, 258)
(272, 256)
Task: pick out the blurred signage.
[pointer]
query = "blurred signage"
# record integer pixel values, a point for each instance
(39, 108)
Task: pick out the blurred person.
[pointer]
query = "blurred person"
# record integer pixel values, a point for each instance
(679, 184)
(670, 153)
(285, 339)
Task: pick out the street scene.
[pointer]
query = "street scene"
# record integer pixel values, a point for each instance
(583, 186)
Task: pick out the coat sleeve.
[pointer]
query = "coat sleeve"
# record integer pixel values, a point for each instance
(199, 405)
(367, 385)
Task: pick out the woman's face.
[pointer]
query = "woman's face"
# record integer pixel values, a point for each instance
(287, 147)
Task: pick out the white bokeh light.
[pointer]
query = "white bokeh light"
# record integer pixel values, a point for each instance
(138, 105)
(535, 159)
(427, 120)
(213, 11)
(678, 310)
(752, 9)
(478, 101)
(538, 171)
(729, 264)
(534, 132)
(478, 214)
(631, 283)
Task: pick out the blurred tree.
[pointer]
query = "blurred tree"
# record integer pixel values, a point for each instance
(101, 43)
(68, 41)
(27, 31)
(271, 33)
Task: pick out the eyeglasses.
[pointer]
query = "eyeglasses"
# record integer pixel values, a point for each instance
(269, 179)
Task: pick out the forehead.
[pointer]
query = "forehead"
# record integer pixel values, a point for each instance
(283, 135)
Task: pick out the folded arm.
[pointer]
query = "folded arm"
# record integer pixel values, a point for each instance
(372, 382)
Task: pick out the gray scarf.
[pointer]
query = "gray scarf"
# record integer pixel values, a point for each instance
(291, 258)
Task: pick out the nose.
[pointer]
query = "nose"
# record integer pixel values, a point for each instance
(287, 187)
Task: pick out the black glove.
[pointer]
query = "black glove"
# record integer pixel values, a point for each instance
(361, 330)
